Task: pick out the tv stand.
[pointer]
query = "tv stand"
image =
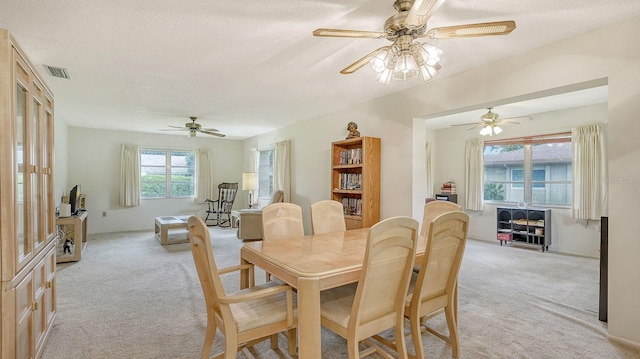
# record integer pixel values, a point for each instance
(72, 237)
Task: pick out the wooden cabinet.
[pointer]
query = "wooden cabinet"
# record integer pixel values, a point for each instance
(355, 180)
(27, 220)
(524, 225)
(72, 237)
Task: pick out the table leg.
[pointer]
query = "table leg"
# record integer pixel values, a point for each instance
(244, 275)
(309, 330)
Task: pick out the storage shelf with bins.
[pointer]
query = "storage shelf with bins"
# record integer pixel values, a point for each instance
(524, 225)
(355, 180)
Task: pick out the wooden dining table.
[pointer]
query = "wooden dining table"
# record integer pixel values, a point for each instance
(311, 264)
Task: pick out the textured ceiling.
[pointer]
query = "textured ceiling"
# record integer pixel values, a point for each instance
(248, 67)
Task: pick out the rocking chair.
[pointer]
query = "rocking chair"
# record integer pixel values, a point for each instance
(222, 206)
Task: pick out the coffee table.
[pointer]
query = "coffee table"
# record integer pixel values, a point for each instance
(166, 226)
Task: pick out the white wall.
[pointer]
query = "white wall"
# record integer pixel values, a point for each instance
(311, 155)
(610, 53)
(448, 147)
(94, 163)
(61, 169)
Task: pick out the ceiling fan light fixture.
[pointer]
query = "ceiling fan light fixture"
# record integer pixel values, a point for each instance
(400, 75)
(490, 129)
(192, 133)
(434, 54)
(406, 64)
(379, 62)
(427, 72)
(385, 76)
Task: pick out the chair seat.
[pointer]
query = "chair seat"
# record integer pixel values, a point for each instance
(336, 303)
(258, 313)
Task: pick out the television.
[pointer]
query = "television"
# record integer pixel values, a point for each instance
(74, 200)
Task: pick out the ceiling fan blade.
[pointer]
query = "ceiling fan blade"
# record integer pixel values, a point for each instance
(472, 30)
(211, 133)
(210, 129)
(178, 127)
(516, 118)
(420, 12)
(349, 33)
(363, 61)
(468, 124)
(174, 129)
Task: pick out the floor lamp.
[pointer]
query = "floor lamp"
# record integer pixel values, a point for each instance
(250, 183)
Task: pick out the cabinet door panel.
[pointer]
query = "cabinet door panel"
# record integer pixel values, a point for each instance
(24, 315)
(48, 204)
(23, 246)
(34, 172)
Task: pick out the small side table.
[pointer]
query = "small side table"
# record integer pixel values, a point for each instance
(235, 217)
(72, 238)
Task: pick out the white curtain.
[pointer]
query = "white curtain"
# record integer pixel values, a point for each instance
(589, 172)
(254, 157)
(429, 168)
(204, 175)
(282, 169)
(474, 174)
(130, 176)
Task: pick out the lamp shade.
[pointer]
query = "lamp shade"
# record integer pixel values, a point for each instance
(249, 181)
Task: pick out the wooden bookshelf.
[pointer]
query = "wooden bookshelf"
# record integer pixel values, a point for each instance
(355, 180)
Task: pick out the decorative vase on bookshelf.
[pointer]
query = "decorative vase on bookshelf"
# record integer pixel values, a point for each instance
(355, 180)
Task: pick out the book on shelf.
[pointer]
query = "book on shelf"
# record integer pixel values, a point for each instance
(352, 206)
(350, 181)
(351, 156)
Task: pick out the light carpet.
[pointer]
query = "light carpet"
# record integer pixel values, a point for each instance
(130, 297)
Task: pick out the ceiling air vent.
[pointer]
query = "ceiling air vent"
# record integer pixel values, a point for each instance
(58, 72)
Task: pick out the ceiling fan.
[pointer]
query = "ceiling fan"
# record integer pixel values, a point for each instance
(406, 58)
(490, 121)
(194, 127)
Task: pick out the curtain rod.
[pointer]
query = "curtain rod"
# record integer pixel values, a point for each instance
(549, 138)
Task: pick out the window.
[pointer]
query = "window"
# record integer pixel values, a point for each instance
(265, 172)
(517, 178)
(536, 170)
(167, 173)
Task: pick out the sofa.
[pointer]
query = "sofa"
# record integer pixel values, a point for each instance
(250, 220)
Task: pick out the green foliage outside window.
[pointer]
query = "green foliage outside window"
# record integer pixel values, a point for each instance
(494, 192)
(167, 174)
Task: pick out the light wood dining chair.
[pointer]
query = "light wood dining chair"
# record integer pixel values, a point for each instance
(245, 317)
(435, 287)
(281, 220)
(376, 302)
(327, 216)
(433, 209)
